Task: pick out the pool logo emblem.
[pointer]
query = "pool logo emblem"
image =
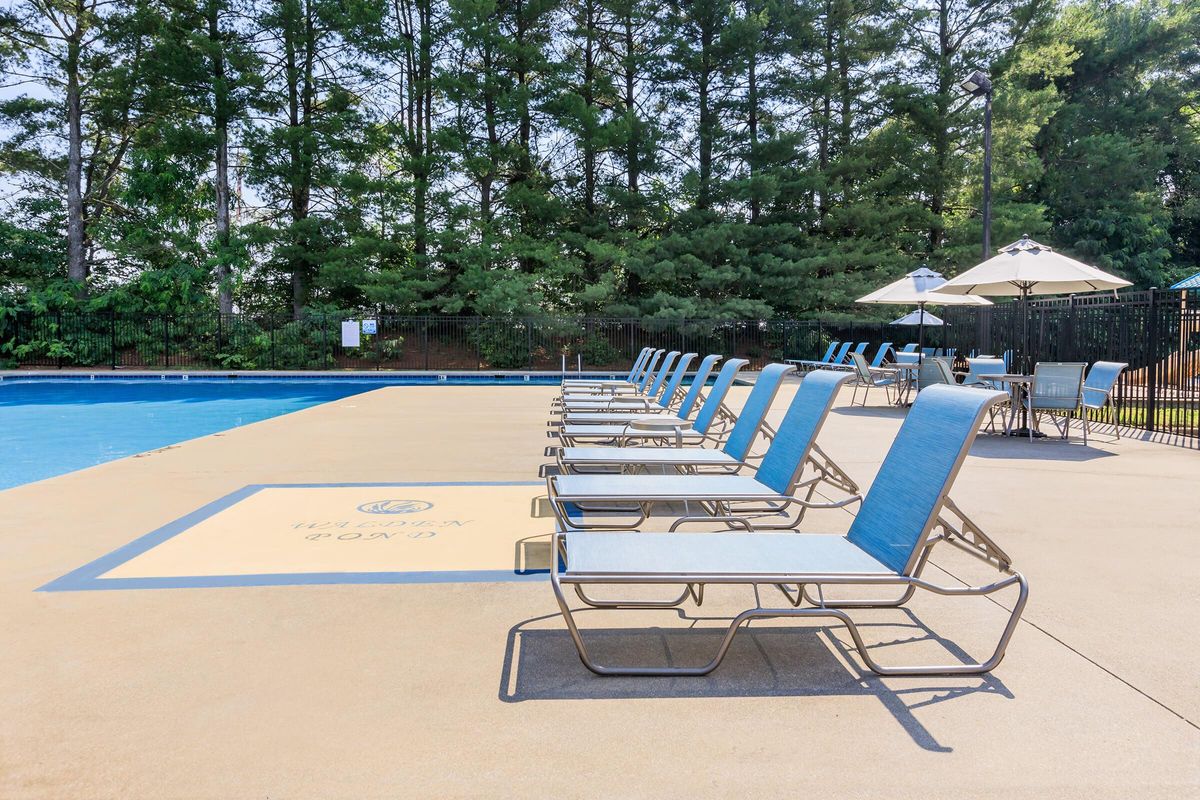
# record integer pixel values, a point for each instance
(395, 507)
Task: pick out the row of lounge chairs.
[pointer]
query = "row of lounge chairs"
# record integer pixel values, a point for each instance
(750, 485)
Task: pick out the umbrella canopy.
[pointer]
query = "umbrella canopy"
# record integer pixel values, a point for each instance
(1024, 268)
(917, 288)
(918, 317)
(1027, 267)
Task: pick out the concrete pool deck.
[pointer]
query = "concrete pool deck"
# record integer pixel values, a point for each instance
(457, 689)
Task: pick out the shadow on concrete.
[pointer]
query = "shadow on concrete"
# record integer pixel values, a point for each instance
(879, 412)
(763, 661)
(1048, 449)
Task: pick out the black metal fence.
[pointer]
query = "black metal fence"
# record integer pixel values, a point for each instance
(1156, 332)
(255, 342)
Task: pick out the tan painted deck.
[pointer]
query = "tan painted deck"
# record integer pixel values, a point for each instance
(453, 690)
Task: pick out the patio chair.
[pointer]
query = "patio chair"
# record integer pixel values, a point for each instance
(989, 365)
(888, 544)
(934, 371)
(1098, 390)
(711, 423)
(732, 455)
(769, 495)
(909, 348)
(846, 363)
(661, 401)
(1057, 391)
(983, 366)
(634, 372)
(869, 379)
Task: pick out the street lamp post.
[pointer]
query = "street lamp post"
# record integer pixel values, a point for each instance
(978, 85)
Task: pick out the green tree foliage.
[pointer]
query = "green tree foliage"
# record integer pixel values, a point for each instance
(686, 158)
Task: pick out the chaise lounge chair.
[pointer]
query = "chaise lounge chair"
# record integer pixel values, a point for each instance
(769, 495)
(660, 402)
(712, 420)
(888, 544)
(729, 458)
(634, 373)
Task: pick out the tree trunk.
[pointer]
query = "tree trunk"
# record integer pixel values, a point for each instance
(632, 155)
(221, 126)
(77, 266)
(706, 132)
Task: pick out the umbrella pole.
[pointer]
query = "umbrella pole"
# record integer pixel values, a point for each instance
(1026, 364)
(921, 330)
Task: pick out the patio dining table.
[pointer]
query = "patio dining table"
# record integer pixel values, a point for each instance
(1019, 386)
(905, 379)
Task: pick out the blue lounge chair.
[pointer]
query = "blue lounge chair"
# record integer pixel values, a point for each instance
(729, 458)
(881, 354)
(768, 495)
(711, 423)
(656, 402)
(833, 355)
(634, 372)
(901, 519)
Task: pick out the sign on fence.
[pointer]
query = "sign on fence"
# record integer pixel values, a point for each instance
(368, 327)
(350, 333)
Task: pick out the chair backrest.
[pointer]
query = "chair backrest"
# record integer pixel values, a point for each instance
(1007, 358)
(698, 381)
(881, 354)
(908, 357)
(933, 372)
(755, 409)
(950, 352)
(668, 392)
(840, 355)
(861, 367)
(1101, 380)
(716, 395)
(663, 370)
(636, 369)
(929, 352)
(911, 347)
(1057, 384)
(829, 352)
(911, 485)
(861, 347)
(784, 461)
(982, 366)
(649, 371)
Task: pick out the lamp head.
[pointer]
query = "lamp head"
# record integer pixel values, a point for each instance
(977, 84)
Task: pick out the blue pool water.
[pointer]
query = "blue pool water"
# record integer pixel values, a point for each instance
(51, 427)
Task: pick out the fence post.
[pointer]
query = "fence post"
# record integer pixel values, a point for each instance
(325, 354)
(529, 341)
(1152, 355)
(112, 339)
(58, 332)
(272, 343)
(425, 341)
(166, 342)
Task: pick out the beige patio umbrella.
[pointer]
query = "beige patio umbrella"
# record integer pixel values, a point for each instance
(917, 288)
(1024, 268)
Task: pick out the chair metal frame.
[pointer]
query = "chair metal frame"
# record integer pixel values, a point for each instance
(774, 509)
(957, 531)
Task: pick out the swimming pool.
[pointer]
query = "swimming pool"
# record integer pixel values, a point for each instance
(51, 426)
